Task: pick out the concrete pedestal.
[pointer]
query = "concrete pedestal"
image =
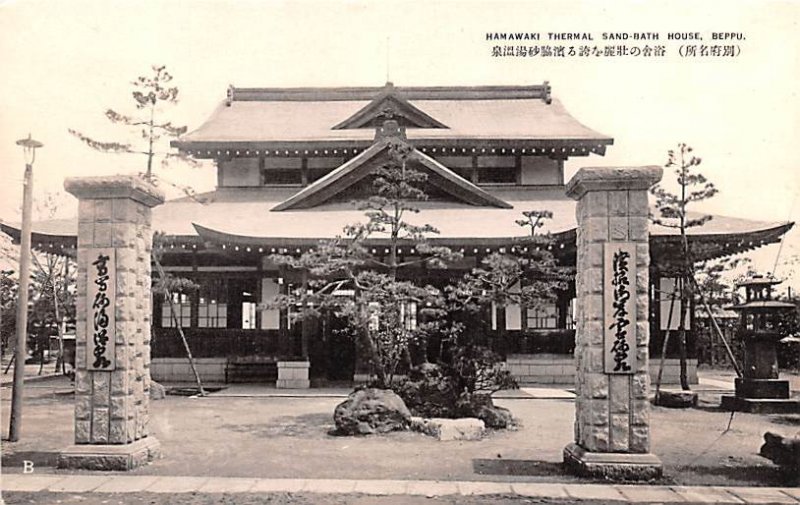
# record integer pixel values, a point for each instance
(760, 405)
(611, 465)
(761, 396)
(293, 375)
(612, 419)
(762, 388)
(121, 457)
(113, 312)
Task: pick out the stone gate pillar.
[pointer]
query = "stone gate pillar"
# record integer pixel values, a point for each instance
(612, 424)
(113, 317)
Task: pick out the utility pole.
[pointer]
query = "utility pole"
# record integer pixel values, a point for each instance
(29, 147)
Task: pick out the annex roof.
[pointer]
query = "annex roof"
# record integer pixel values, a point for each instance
(245, 214)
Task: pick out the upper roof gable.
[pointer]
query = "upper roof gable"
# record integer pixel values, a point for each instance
(388, 104)
(361, 166)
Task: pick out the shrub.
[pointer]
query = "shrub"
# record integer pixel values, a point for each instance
(459, 387)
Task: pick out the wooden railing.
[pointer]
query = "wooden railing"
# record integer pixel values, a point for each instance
(559, 341)
(214, 342)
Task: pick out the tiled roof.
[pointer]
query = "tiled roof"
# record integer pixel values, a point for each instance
(274, 116)
(248, 212)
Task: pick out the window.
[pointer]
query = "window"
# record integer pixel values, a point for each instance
(212, 314)
(497, 175)
(248, 315)
(570, 319)
(374, 310)
(408, 314)
(543, 317)
(212, 309)
(281, 171)
(183, 311)
(282, 177)
(497, 170)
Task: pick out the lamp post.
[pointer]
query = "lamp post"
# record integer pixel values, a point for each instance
(29, 147)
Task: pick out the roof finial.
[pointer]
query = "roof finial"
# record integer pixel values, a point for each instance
(388, 60)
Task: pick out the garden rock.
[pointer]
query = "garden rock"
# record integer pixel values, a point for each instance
(494, 417)
(676, 399)
(466, 428)
(783, 451)
(157, 391)
(369, 411)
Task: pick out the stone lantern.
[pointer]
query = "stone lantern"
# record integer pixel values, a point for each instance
(761, 327)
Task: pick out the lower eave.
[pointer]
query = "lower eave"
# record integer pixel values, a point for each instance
(662, 247)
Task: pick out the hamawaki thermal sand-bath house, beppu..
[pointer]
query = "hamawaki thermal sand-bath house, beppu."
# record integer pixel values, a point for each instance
(291, 162)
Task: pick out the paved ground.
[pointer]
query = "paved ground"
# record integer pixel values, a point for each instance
(31, 372)
(244, 435)
(190, 490)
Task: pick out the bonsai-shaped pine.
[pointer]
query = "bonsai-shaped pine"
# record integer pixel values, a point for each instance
(366, 265)
(150, 94)
(673, 213)
(527, 275)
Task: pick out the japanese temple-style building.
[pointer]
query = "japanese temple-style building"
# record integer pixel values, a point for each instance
(291, 161)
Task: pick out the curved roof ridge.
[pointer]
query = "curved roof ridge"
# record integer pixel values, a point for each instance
(488, 92)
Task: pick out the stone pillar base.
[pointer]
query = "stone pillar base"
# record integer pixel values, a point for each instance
(122, 457)
(611, 465)
(762, 388)
(760, 405)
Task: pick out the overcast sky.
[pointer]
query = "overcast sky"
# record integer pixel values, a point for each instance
(65, 62)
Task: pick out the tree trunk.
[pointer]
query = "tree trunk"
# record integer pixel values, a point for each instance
(682, 337)
(664, 346)
(717, 328)
(61, 322)
(60, 325)
(180, 330)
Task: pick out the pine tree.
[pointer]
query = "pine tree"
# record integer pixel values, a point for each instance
(673, 213)
(381, 306)
(150, 94)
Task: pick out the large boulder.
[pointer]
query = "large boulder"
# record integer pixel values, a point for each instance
(466, 428)
(498, 418)
(783, 451)
(481, 406)
(369, 411)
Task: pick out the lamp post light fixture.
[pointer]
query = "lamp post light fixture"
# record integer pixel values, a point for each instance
(29, 147)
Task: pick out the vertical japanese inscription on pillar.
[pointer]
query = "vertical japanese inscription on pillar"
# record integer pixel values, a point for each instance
(101, 293)
(619, 302)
